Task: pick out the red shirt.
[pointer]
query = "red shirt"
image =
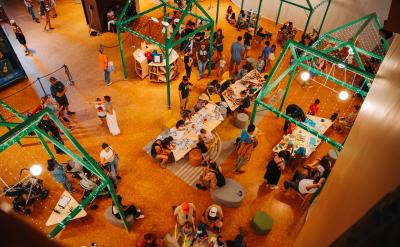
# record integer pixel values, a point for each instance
(313, 109)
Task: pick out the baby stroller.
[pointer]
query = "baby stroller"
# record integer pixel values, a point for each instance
(25, 193)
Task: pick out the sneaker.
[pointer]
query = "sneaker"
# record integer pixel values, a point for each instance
(118, 177)
(52, 28)
(109, 83)
(241, 171)
(140, 217)
(70, 112)
(37, 20)
(66, 120)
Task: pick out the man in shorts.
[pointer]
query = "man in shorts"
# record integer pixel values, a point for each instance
(236, 54)
(184, 92)
(58, 91)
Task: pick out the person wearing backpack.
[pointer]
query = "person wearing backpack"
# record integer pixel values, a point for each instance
(211, 178)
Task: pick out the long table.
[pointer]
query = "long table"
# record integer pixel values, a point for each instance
(252, 82)
(208, 118)
(302, 138)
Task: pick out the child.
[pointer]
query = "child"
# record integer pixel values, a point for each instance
(334, 115)
(101, 111)
(314, 107)
(221, 67)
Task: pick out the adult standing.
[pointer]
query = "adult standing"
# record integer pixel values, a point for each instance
(184, 92)
(57, 172)
(188, 60)
(202, 59)
(247, 42)
(29, 6)
(275, 168)
(58, 91)
(109, 160)
(111, 117)
(19, 35)
(265, 53)
(103, 59)
(219, 37)
(236, 54)
(47, 9)
(248, 141)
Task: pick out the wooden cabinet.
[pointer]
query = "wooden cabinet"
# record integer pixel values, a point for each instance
(158, 71)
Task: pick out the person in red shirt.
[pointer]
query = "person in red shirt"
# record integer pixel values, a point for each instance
(314, 107)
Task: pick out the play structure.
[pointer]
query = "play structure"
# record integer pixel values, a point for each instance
(29, 127)
(166, 45)
(358, 42)
(309, 7)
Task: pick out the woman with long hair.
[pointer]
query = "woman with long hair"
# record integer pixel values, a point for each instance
(111, 117)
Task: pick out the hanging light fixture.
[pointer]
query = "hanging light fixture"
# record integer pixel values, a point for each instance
(305, 75)
(341, 65)
(343, 95)
(36, 170)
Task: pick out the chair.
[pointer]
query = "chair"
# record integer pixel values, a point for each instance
(261, 223)
(305, 198)
(241, 120)
(225, 76)
(117, 222)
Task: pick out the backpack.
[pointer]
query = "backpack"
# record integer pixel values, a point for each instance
(220, 178)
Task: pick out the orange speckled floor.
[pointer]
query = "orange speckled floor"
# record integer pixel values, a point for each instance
(139, 105)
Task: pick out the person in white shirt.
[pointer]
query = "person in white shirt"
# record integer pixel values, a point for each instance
(302, 184)
(29, 6)
(109, 160)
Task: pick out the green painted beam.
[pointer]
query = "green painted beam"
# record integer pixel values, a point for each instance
(130, 19)
(309, 4)
(279, 12)
(378, 25)
(167, 43)
(217, 14)
(191, 14)
(121, 51)
(297, 5)
(210, 50)
(258, 16)
(287, 88)
(324, 18)
(184, 14)
(9, 128)
(121, 16)
(349, 24)
(186, 37)
(361, 29)
(144, 37)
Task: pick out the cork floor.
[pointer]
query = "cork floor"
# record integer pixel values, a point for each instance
(139, 105)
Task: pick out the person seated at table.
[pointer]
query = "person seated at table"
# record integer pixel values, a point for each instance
(180, 125)
(275, 167)
(288, 127)
(131, 210)
(232, 19)
(314, 107)
(225, 85)
(213, 218)
(186, 212)
(211, 87)
(201, 102)
(319, 167)
(243, 71)
(161, 150)
(245, 102)
(229, 12)
(211, 177)
(302, 184)
(345, 123)
(295, 112)
(207, 136)
(241, 22)
(203, 148)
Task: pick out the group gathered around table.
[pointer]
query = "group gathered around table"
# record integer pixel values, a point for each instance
(231, 94)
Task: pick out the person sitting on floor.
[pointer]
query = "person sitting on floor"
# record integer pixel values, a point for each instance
(232, 19)
(211, 87)
(229, 12)
(186, 212)
(213, 218)
(131, 210)
(319, 167)
(239, 239)
(211, 177)
(180, 125)
(302, 184)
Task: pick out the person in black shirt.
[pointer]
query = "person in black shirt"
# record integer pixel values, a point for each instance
(50, 128)
(58, 91)
(188, 60)
(247, 42)
(184, 92)
(226, 84)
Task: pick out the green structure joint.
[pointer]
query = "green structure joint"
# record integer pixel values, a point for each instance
(258, 16)
(130, 19)
(325, 14)
(309, 4)
(121, 51)
(297, 5)
(191, 14)
(46, 147)
(3, 120)
(349, 24)
(188, 7)
(358, 59)
(378, 25)
(121, 16)
(150, 40)
(279, 12)
(287, 88)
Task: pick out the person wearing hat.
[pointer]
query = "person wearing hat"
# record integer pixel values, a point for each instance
(213, 217)
(184, 92)
(201, 102)
(20, 36)
(186, 212)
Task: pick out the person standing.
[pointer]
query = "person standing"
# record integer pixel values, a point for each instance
(188, 60)
(111, 117)
(219, 37)
(57, 172)
(184, 92)
(247, 43)
(202, 59)
(109, 160)
(47, 9)
(58, 91)
(248, 141)
(19, 35)
(236, 54)
(29, 6)
(265, 53)
(103, 59)
(275, 168)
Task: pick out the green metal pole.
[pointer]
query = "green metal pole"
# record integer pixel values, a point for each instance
(216, 17)
(287, 87)
(308, 21)
(121, 50)
(279, 12)
(241, 5)
(254, 113)
(210, 53)
(167, 43)
(323, 18)
(258, 16)
(3, 120)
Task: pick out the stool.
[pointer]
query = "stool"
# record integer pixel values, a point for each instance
(195, 157)
(262, 223)
(230, 195)
(223, 111)
(333, 155)
(117, 222)
(241, 120)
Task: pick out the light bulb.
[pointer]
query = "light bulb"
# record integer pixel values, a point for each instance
(341, 66)
(305, 75)
(36, 170)
(343, 95)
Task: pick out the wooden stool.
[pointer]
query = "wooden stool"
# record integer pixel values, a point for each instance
(241, 120)
(195, 157)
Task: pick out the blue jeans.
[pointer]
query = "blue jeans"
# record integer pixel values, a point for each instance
(106, 76)
(30, 10)
(202, 66)
(113, 169)
(67, 185)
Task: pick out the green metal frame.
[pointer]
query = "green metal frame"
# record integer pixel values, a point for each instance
(123, 25)
(310, 8)
(269, 85)
(370, 19)
(17, 131)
